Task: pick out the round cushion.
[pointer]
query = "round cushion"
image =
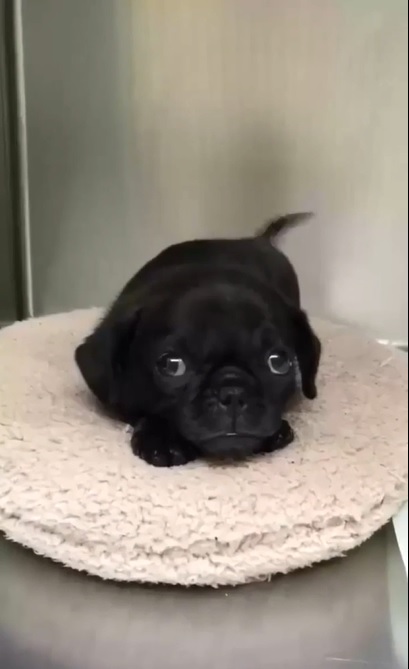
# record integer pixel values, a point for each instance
(71, 489)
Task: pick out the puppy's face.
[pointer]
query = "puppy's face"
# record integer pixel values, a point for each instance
(219, 365)
(216, 365)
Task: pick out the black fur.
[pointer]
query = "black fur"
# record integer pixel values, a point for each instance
(219, 308)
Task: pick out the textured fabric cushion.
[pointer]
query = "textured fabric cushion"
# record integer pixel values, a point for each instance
(71, 489)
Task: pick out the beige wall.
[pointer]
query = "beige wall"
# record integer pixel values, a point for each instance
(172, 119)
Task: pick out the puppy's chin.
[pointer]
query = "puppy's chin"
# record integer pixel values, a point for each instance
(230, 446)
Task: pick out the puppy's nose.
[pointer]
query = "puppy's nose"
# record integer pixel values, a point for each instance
(232, 397)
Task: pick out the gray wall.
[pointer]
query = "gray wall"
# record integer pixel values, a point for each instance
(7, 294)
(150, 122)
(7, 290)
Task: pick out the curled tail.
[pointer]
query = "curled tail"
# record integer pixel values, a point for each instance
(278, 226)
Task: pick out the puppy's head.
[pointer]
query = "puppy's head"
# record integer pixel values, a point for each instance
(217, 363)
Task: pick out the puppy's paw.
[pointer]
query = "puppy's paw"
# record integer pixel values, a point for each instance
(160, 448)
(280, 439)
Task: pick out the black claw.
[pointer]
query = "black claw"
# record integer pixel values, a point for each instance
(159, 448)
(282, 438)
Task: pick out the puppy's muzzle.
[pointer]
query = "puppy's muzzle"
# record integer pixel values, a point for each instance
(232, 397)
(232, 391)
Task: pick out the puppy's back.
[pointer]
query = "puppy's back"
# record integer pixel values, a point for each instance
(257, 256)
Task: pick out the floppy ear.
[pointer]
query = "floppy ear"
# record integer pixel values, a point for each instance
(101, 358)
(308, 351)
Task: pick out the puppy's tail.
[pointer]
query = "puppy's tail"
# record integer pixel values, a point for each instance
(279, 226)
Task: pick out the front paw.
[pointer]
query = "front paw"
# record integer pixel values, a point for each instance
(282, 438)
(160, 447)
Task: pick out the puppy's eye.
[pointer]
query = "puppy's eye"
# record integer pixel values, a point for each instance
(280, 363)
(171, 365)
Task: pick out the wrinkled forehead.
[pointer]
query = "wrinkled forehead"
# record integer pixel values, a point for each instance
(220, 320)
(222, 305)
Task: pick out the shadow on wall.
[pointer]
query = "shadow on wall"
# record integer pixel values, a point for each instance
(81, 179)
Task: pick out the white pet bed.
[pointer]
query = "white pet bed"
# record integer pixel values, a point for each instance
(71, 489)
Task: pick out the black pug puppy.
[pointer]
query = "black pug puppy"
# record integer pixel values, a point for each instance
(200, 351)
